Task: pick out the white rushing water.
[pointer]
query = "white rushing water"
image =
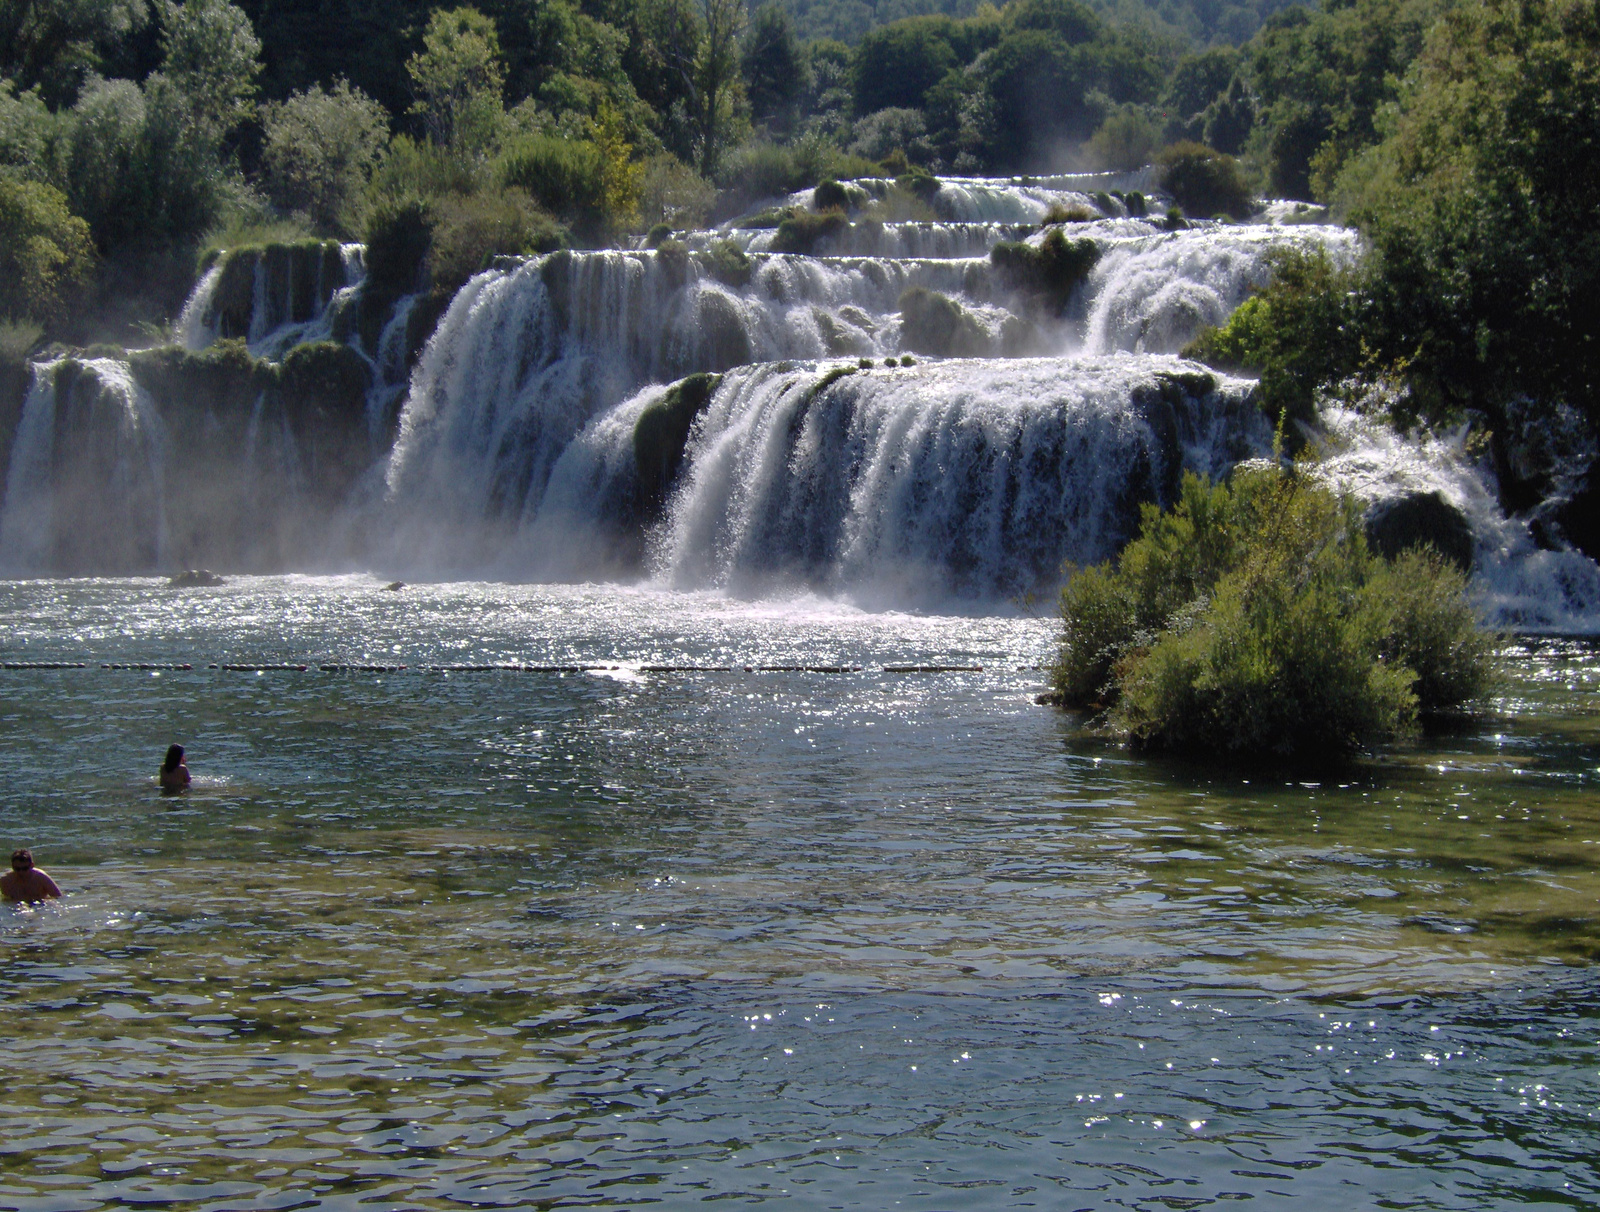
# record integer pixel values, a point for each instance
(506, 446)
(86, 479)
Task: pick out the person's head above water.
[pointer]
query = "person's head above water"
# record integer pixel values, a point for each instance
(22, 860)
(174, 758)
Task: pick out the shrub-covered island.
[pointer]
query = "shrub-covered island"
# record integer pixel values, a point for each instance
(1252, 620)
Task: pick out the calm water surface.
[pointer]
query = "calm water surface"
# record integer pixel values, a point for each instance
(873, 939)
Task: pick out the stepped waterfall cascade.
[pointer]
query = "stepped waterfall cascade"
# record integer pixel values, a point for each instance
(924, 395)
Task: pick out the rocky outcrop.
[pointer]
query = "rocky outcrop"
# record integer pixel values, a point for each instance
(1419, 519)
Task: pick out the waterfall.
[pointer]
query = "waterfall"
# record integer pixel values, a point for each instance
(538, 432)
(969, 478)
(85, 490)
(1518, 584)
(1153, 294)
(274, 297)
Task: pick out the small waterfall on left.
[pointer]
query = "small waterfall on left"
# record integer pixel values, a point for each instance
(86, 484)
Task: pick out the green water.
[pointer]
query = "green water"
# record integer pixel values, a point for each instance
(858, 940)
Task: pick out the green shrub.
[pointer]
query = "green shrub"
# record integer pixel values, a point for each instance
(658, 233)
(1251, 620)
(399, 238)
(830, 195)
(1049, 271)
(1297, 333)
(1204, 182)
(46, 255)
(469, 232)
(564, 176)
(727, 263)
(801, 232)
(765, 220)
(921, 183)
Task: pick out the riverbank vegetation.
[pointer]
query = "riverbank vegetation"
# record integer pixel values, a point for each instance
(1252, 620)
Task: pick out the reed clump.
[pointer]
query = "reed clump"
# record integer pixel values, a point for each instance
(1252, 621)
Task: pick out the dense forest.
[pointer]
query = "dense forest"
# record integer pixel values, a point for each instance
(136, 138)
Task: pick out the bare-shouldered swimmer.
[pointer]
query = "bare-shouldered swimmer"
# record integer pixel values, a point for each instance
(25, 882)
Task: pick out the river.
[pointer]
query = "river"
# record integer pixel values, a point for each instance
(649, 921)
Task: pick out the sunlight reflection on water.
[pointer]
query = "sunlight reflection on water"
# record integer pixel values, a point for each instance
(841, 939)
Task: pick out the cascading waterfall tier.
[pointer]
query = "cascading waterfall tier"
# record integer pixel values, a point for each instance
(85, 489)
(967, 478)
(537, 434)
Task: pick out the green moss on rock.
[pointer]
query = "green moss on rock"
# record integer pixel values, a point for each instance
(727, 263)
(801, 233)
(1047, 273)
(660, 435)
(932, 323)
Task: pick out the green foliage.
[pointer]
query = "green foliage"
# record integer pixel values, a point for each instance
(1126, 140)
(673, 193)
(212, 57)
(46, 254)
(774, 68)
(564, 176)
(830, 195)
(1324, 76)
(727, 262)
(1482, 207)
(801, 231)
(1204, 181)
(1298, 333)
(319, 150)
(896, 64)
(56, 47)
(1048, 272)
(1251, 620)
(458, 79)
(470, 231)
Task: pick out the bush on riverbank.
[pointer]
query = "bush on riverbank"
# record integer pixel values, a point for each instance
(1251, 620)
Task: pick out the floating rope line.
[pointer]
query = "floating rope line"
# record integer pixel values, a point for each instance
(292, 667)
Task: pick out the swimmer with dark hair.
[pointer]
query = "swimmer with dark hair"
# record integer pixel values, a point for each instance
(174, 774)
(25, 882)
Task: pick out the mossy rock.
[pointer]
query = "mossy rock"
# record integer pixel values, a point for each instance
(673, 258)
(724, 342)
(660, 435)
(801, 233)
(399, 238)
(1047, 273)
(765, 220)
(838, 338)
(921, 183)
(222, 382)
(727, 263)
(658, 233)
(1419, 519)
(555, 271)
(932, 323)
(830, 195)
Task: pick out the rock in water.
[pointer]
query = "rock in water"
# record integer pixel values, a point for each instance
(1418, 519)
(195, 578)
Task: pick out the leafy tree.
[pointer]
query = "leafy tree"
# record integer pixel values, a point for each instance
(46, 254)
(897, 64)
(774, 71)
(56, 45)
(319, 151)
(709, 70)
(1204, 181)
(457, 78)
(26, 130)
(1126, 140)
(1322, 77)
(212, 56)
(1483, 209)
(1196, 81)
